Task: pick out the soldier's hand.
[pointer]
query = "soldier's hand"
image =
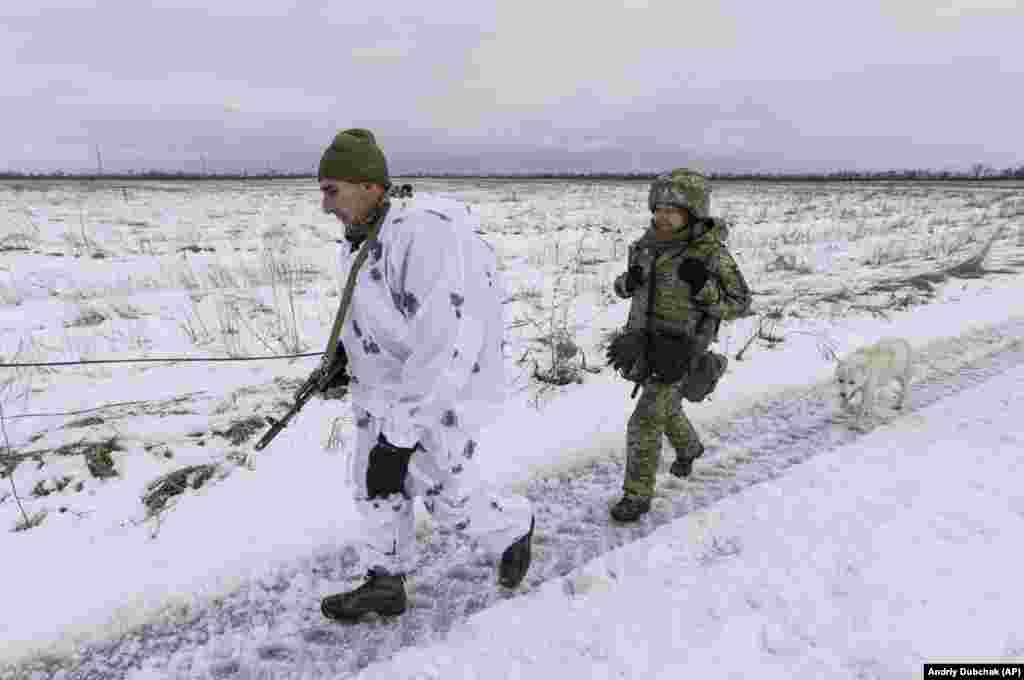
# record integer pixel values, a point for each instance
(694, 272)
(388, 468)
(634, 278)
(708, 295)
(336, 387)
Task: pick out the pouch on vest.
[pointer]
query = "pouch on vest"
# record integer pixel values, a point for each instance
(671, 357)
(704, 376)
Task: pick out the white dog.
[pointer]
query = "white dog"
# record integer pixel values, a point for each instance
(871, 368)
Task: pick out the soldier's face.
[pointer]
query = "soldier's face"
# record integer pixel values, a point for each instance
(669, 219)
(350, 202)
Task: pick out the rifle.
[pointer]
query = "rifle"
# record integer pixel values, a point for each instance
(337, 360)
(317, 382)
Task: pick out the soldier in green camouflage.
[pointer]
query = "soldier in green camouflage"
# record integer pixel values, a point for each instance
(697, 285)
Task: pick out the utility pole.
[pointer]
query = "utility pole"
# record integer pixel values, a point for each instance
(99, 161)
(202, 157)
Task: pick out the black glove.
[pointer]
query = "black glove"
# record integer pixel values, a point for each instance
(634, 278)
(336, 387)
(387, 469)
(694, 273)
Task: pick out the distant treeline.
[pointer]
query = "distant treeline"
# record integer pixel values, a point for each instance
(154, 175)
(977, 172)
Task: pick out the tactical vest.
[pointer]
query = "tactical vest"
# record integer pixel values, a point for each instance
(674, 310)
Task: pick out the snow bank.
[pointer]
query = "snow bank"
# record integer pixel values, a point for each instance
(868, 560)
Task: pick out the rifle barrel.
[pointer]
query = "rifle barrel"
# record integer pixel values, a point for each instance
(312, 385)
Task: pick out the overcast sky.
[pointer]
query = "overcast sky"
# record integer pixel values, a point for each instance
(625, 85)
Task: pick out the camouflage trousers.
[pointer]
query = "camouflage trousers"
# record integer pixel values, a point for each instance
(446, 476)
(659, 411)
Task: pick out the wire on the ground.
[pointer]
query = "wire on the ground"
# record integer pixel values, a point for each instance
(164, 360)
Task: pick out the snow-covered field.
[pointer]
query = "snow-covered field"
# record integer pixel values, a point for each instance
(857, 560)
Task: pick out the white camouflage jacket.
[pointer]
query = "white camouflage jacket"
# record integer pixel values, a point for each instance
(424, 331)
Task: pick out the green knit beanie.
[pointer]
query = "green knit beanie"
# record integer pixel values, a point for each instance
(354, 156)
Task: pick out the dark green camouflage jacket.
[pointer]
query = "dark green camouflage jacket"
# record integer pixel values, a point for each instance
(677, 309)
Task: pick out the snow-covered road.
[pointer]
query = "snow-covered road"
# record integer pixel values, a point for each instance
(273, 628)
(870, 560)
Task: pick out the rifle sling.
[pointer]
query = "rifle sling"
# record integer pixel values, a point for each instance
(650, 302)
(649, 340)
(350, 284)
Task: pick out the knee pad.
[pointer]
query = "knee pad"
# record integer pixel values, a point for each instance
(387, 469)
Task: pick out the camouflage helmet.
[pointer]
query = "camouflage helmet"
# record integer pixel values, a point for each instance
(682, 188)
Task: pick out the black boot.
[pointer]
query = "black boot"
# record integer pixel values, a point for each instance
(629, 508)
(383, 593)
(682, 466)
(515, 561)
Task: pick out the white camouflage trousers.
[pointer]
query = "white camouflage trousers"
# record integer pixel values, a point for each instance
(444, 474)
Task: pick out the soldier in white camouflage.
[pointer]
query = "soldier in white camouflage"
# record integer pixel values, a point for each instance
(422, 339)
(697, 284)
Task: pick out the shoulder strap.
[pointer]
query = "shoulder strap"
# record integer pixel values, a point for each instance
(649, 335)
(652, 278)
(350, 284)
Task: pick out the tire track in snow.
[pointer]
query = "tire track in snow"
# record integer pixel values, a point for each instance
(272, 627)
